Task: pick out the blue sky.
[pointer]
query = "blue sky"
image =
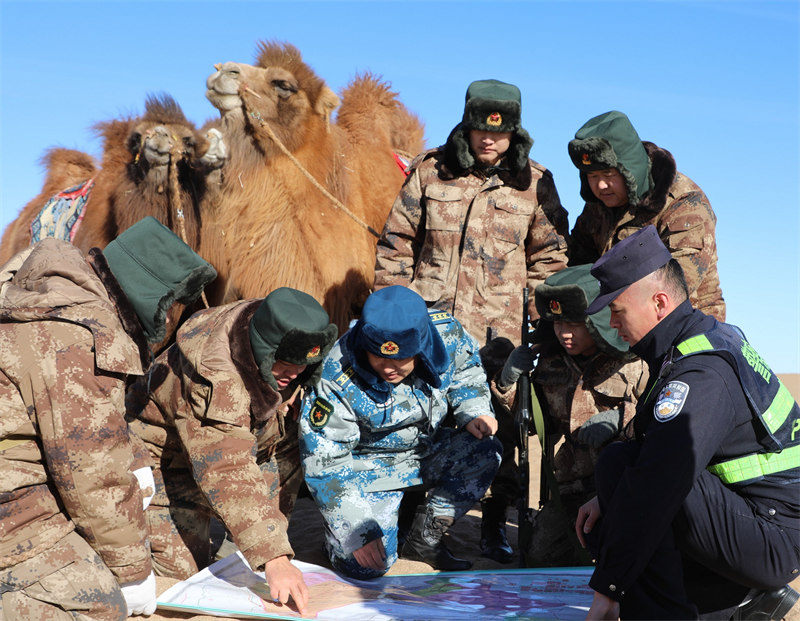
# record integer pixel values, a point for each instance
(716, 83)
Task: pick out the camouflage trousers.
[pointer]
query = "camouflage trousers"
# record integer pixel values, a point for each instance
(179, 516)
(456, 473)
(553, 541)
(66, 582)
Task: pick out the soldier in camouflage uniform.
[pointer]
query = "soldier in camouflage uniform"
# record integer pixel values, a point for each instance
(372, 428)
(590, 384)
(628, 184)
(218, 412)
(73, 329)
(475, 222)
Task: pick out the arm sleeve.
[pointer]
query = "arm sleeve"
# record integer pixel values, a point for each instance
(326, 452)
(545, 250)
(403, 233)
(650, 493)
(468, 393)
(222, 451)
(687, 228)
(581, 244)
(89, 456)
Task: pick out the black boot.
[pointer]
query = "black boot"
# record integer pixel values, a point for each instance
(412, 498)
(765, 605)
(494, 543)
(425, 543)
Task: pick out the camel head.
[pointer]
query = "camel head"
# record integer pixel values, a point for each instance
(281, 92)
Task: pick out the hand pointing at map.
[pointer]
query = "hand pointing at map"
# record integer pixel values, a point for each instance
(284, 580)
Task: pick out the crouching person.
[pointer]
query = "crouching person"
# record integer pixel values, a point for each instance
(371, 428)
(218, 412)
(73, 330)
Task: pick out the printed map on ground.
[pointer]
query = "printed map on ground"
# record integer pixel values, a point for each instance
(230, 588)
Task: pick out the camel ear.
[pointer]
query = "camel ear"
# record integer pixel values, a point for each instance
(327, 102)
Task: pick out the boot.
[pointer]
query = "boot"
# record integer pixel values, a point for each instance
(425, 543)
(494, 543)
(764, 605)
(412, 498)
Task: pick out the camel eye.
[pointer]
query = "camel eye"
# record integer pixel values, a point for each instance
(188, 141)
(284, 88)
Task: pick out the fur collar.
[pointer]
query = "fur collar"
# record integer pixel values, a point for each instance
(458, 161)
(127, 316)
(663, 171)
(263, 398)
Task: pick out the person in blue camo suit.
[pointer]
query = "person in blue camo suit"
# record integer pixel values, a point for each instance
(371, 428)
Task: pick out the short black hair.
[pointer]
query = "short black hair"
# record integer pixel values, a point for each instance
(674, 280)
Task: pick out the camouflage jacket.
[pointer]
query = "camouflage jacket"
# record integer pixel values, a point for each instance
(351, 442)
(64, 360)
(469, 245)
(573, 394)
(204, 403)
(681, 213)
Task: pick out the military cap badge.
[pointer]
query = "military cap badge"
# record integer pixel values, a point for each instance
(670, 401)
(389, 348)
(320, 413)
(555, 307)
(314, 352)
(585, 160)
(494, 119)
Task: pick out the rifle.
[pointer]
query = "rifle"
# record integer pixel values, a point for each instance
(522, 423)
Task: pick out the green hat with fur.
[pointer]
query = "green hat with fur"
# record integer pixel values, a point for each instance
(610, 141)
(492, 106)
(290, 325)
(566, 295)
(155, 269)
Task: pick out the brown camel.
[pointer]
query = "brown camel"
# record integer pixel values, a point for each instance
(153, 165)
(271, 225)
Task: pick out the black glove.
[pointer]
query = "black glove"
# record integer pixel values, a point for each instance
(519, 361)
(600, 428)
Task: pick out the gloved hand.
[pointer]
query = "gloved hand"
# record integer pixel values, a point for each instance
(600, 428)
(140, 596)
(146, 483)
(519, 361)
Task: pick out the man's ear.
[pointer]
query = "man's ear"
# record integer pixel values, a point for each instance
(663, 304)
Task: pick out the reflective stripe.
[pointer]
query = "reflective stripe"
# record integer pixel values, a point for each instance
(695, 344)
(779, 409)
(756, 465)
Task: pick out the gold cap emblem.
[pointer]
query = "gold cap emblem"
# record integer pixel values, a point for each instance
(389, 348)
(555, 307)
(585, 160)
(494, 119)
(314, 352)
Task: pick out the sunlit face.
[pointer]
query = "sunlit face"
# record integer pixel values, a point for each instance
(634, 313)
(608, 186)
(574, 338)
(489, 147)
(393, 370)
(285, 372)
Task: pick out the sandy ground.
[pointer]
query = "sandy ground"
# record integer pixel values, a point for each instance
(305, 534)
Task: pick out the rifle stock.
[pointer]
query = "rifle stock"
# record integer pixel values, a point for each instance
(522, 422)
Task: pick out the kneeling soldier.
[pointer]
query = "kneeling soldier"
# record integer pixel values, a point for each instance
(218, 412)
(372, 428)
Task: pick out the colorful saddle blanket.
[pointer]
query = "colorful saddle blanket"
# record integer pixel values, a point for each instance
(62, 214)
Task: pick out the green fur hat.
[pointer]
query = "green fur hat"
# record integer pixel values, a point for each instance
(490, 105)
(155, 269)
(566, 295)
(290, 325)
(610, 141)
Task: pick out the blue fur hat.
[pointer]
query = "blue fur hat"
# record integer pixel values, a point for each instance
(395, 324)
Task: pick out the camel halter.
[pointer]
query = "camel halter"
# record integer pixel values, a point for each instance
(336, 202)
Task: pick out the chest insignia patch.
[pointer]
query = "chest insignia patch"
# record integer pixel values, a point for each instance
(670, 401)
(320, 413)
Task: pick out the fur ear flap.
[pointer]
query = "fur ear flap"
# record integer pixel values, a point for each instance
(327, 102)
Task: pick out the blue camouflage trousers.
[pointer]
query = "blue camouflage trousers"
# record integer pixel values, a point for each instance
(457, 471)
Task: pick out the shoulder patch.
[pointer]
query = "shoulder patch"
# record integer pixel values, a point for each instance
(670, 401)
(439, 316)
(320, 413)
(343, 377)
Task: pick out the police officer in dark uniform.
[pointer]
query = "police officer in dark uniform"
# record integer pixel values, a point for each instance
(701, 512)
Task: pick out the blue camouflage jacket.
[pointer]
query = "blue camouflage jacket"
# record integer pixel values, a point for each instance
(359, 434)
